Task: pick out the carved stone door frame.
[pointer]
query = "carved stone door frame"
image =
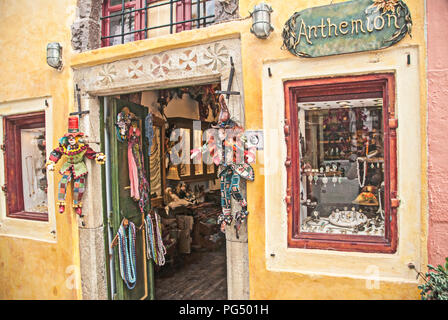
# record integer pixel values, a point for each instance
(192, 65)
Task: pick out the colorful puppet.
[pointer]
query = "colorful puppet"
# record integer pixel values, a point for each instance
(227, 151)
(74, 169)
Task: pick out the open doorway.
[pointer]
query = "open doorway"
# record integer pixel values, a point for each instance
(183, 194)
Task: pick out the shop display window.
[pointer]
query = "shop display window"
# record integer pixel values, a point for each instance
(25, 156)
(342, 163)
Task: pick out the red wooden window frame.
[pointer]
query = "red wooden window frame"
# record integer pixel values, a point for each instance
(138, 18)
(15, 207)
(183, 12)
(341, 88)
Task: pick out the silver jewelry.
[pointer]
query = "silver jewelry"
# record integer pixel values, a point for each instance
(380, 208)
(361, 184)
(325, 181)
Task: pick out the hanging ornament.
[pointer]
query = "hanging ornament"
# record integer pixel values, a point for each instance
(74, 169)
(361, 184)
(155, 249)
(334, 180)
(325, 181)
(232, 166)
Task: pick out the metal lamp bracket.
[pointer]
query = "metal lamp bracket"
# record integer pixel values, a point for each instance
(79, 113)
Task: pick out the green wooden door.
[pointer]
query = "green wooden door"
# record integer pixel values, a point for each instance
(125, 207)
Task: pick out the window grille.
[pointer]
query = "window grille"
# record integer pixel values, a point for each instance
(130, 20)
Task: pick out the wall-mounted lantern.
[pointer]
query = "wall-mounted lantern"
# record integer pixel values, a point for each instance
(261, 20)
(54, 55)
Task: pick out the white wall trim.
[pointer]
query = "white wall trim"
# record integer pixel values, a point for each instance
(390, 267)
(22, 228)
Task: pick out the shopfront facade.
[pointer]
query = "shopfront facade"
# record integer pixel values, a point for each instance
(280, 253)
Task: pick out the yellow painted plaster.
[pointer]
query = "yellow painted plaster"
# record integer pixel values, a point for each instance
(31, 269)
(265, 284)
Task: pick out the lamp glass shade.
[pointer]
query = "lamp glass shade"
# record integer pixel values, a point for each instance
(54, 56)
(261, 21)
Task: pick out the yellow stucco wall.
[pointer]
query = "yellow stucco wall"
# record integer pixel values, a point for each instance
(289, 285)
(32, 269)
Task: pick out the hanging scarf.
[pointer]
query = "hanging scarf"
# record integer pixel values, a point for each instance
(139, 184)
(126, 255)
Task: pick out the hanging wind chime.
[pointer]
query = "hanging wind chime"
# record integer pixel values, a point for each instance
(74, 169)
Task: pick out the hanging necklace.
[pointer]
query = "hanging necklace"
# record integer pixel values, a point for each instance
(151, 252)
(161, 250)
(380, 208)
(126, 255)
(365, 173)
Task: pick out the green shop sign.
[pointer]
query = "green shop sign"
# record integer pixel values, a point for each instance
(353, 26)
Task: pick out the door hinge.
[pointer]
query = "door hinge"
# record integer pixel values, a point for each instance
(394, 203)
(5, 189)
(3, 146)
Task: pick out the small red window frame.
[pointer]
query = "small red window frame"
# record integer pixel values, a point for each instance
(183, 12)
(349, 86)
(138, 18)
(13, 164)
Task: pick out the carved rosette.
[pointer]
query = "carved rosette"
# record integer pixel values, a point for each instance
(226, 10)
(176, 64)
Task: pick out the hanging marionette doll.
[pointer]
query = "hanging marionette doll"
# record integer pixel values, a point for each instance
(227, 151)
(72, 146)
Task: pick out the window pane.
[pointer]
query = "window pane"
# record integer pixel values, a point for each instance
(33, 170)
(206, 8)
(117, 2)
(116, 28)
(342, 166)
(210, 10)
